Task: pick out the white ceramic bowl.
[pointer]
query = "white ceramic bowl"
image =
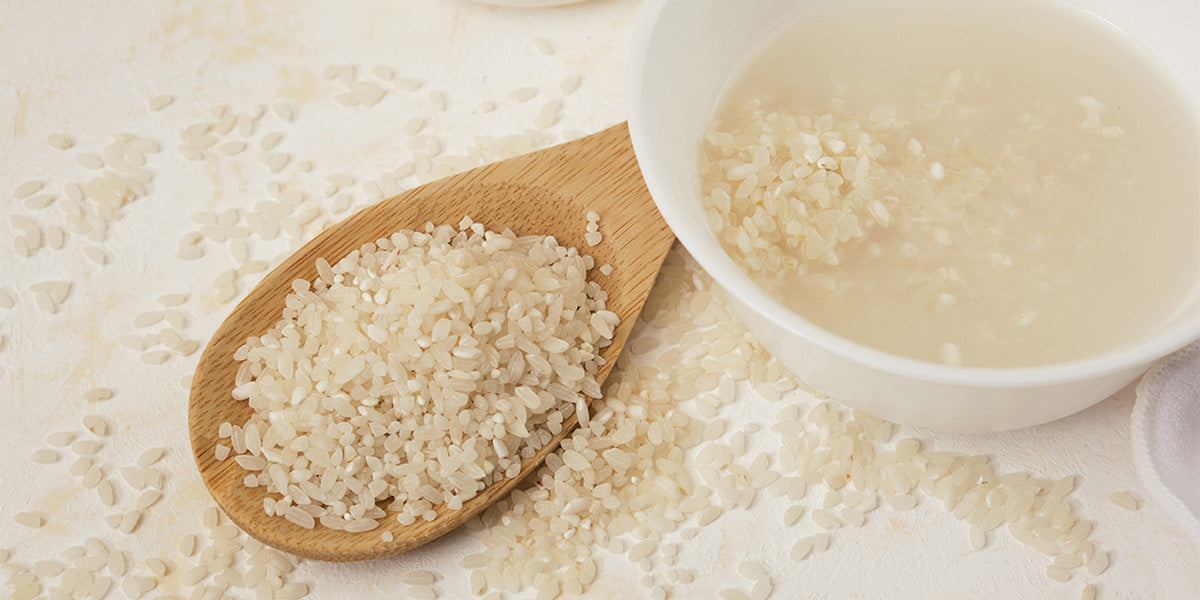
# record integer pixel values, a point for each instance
(684, 52)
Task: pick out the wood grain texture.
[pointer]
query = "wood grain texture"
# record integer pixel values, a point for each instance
(547, 192)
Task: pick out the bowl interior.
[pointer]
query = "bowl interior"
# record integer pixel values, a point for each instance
(685, 52)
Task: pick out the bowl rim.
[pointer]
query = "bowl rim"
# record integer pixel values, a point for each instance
(713, 259)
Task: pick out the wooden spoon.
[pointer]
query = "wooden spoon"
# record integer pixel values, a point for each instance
(547, 192)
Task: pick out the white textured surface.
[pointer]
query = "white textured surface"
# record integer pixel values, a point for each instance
(89, 69)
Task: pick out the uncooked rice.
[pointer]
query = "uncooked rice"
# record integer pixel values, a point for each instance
(802, 549)
(158, 103)
(523, 94)
(1124, 499)
(29, 519)
(27, 189)
(60, 438)
(98, 394)
(570, 84)
(417, 371)
(95, 424)
(631, 472)
(86, 447)
(417, 577)
(59, 141)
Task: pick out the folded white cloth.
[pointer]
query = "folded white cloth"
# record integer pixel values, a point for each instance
(1166, 436)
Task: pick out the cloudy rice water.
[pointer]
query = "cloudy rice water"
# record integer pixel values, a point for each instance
(983, 183)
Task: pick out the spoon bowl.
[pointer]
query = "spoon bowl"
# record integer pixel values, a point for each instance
(548, 192)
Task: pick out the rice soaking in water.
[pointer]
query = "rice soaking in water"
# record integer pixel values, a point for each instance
(983, 183)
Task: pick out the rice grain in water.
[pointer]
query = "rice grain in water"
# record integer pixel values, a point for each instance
(1028, 195)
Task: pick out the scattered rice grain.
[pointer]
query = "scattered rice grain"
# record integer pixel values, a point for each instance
(160, 102)
(1124, 499)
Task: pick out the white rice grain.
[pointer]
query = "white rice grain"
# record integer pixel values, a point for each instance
(98, 394)
(90, 161)
(1098, 564)
(28, 519)
(418, 577)
(1058, 574)
(1124, 499)
(570, 84)
(286, 111)
(523, 94)
(825, 519)
(160, 102)
(130, 521)
(60, 439)
(96, 255)
(977, 537)
(86, 447)
(106, 493)
(95, 424)
(60, 141)
(147, 499)
(27, 189)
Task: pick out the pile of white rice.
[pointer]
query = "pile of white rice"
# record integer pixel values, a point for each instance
(417, 370)
(783, 189)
